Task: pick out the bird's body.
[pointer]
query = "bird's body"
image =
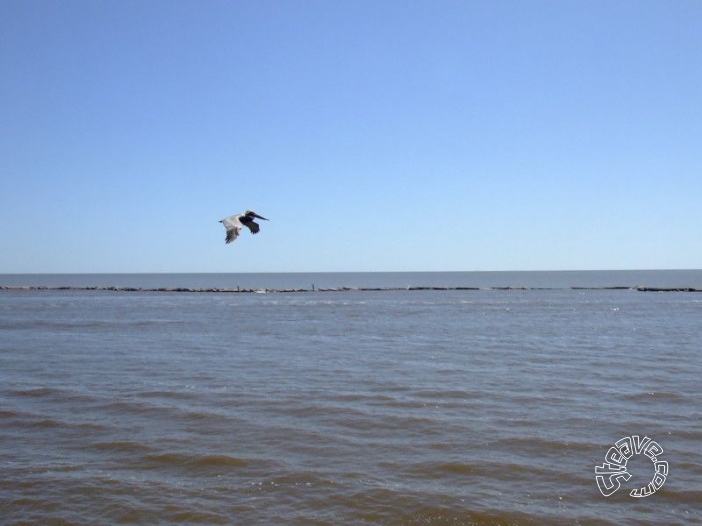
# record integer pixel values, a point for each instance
(235, 223)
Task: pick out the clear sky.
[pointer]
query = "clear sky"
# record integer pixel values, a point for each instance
(376, 135)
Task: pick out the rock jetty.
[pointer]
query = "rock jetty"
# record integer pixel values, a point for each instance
(316, 289)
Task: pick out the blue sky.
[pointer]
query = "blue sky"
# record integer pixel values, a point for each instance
(376, 135)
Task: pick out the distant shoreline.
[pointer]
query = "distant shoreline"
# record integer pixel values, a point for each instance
(246, 290)
(359, 281)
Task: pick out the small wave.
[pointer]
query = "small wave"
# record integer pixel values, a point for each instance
(458, 468)
(221, 460)
(35, 392)
(47, 423)
(179, 395)
(197, 517)
(121, 446)
(389, 507)
(126, 406)
(480, 469)
(92, 325)
(445, 516)
(688, 433)
(11, 414)
(186, 460)
(34, 421)
(532, 444)
(59, 395)
(297, 479)
(653, 395)
(449, 394)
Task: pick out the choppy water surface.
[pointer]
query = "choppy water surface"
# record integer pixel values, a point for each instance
(394, 407)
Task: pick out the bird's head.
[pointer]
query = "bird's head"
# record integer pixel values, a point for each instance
(251, 213)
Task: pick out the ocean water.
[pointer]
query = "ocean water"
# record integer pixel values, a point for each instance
(418, 407)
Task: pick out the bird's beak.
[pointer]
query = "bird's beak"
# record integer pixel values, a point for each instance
(260, 217)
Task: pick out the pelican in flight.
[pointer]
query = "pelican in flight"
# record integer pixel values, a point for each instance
(235, 223)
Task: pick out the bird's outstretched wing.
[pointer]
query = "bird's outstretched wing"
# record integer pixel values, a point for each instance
(233, 229)
(251, 225)
(232, 234)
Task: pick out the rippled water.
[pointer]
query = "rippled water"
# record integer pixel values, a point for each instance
(394, 407)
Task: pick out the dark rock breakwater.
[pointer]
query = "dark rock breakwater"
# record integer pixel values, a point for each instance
(321, 289)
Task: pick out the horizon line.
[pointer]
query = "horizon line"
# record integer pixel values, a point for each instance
(354, 271)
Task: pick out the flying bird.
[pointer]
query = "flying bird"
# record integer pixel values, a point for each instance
(235, 223)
